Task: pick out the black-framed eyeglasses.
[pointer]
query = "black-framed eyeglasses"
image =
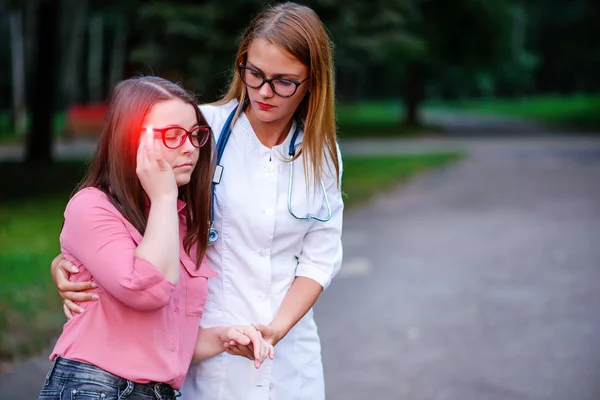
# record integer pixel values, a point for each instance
(174, 137)
(282, 87)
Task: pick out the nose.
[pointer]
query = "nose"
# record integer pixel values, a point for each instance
(265, 90)
(187, 146)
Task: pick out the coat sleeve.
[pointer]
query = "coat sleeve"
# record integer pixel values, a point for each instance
(321, 255)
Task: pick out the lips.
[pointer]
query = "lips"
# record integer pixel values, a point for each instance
(264, 106)
(186, 165)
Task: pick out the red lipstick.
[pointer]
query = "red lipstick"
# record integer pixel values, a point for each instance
(264, 106)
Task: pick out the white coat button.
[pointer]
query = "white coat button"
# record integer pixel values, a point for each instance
(269, 167)
(269, 212)
(264, 252)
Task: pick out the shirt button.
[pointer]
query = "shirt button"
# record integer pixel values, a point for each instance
(264, 252)
(176, 309)
(269, 212)
(173, 348)
(269, 167)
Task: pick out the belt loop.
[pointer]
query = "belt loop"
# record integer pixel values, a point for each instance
(49, 374)
(127, 390)
(156, 388)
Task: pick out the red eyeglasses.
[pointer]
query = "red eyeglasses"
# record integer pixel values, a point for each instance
(174, 137)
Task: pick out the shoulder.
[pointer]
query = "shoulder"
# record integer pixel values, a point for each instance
(329, 161)
(85, 201)
(216, 114)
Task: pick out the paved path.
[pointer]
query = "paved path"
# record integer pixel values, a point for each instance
(476, 282)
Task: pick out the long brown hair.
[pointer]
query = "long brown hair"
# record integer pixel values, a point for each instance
(298, 30)
(113, 167)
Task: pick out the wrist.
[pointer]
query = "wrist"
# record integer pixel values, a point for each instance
(164, 199)
(223, 334)
(278, 331)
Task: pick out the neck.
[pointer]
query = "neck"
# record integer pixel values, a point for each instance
(269, 133)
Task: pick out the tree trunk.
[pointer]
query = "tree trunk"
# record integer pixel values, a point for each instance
(39, 139)
(30, 35)
(73, 41)
(117, 61)
(414, 93)
(95, 59)
(18, 72)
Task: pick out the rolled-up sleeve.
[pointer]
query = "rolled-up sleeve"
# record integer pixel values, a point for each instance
(321, 255)
(94, 233)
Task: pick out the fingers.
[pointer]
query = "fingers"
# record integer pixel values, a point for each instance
(237, 337)
(61, 269)
(262, 350)
(157, 153)
(246, 351)
(247, 341)
(67, 312)
(238, 350)
(257, 343)
(67, 267)
(141, 153)
(150, 146)
(239, 343)
(73, 307)
(271, 352)
(58, 262)
(67, 288)
(80, 296)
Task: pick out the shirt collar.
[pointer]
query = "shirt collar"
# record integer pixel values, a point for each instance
(180, 205)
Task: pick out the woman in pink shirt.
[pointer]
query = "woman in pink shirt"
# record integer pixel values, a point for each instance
(137, 228)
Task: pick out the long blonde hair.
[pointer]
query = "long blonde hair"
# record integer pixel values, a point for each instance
(298, 30)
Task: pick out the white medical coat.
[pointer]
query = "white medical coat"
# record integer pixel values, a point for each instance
(260, 250)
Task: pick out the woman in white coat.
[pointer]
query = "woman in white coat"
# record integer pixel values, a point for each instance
(276, 232)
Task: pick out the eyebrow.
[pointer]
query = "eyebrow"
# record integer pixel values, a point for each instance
(178, 126)
(249, 64)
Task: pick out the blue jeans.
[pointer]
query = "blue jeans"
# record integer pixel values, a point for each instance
(69, 379)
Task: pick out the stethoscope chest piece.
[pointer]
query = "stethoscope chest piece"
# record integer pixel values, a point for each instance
(213, 235)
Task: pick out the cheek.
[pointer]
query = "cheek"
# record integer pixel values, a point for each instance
(170, 156)
(292, 104)
(195, 156)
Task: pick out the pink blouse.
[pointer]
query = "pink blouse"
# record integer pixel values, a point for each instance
(143, 328)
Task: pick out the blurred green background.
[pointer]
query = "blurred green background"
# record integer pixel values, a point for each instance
(399, 64)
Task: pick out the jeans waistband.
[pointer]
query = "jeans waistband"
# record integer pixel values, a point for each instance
(64, 368)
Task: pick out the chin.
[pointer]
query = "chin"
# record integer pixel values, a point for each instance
(182, 180)
(266, 116)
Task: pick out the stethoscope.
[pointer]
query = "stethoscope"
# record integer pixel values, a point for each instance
(213, 235)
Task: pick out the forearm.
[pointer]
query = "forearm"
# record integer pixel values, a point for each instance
(209, 343)
(300, 298)
(160, 245)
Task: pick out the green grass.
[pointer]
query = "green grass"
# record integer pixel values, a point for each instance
(578, 111)
(29, 306)
(30, 309)
(365, 177)
(376, 119)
